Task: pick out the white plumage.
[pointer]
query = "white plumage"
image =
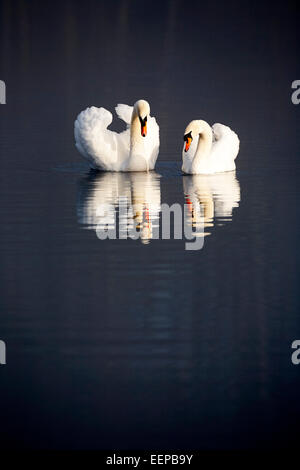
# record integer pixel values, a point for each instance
(135, 149)
(209, 150)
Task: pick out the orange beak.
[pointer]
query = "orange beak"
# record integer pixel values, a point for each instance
(187, 144)
(144, 129)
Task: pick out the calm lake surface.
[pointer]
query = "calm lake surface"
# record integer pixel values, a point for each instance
(115, 344)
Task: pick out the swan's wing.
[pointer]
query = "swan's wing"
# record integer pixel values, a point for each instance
(152, 142)
(223, 135)
(92, 138)
(124, 112)
(225, 147)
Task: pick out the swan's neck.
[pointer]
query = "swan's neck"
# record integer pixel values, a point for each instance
(137, 145)
(135, 130)
(203, 148)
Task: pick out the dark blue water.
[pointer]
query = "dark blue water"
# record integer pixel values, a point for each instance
(141, 343)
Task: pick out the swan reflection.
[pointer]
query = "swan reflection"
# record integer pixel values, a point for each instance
(134, 197)
(210, 199)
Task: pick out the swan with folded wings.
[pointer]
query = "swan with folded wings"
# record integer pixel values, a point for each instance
(209, 150)
(135, 149)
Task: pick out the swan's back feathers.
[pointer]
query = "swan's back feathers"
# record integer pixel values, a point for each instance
(91, 136)
(93, 117)
(226, 136)
(124, 112)
(224, 149)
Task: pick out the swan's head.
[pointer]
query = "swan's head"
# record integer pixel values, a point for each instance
(142, 109)
(192, 131)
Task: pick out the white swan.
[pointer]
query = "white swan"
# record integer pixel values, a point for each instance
(135, 149)
(209, 150)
